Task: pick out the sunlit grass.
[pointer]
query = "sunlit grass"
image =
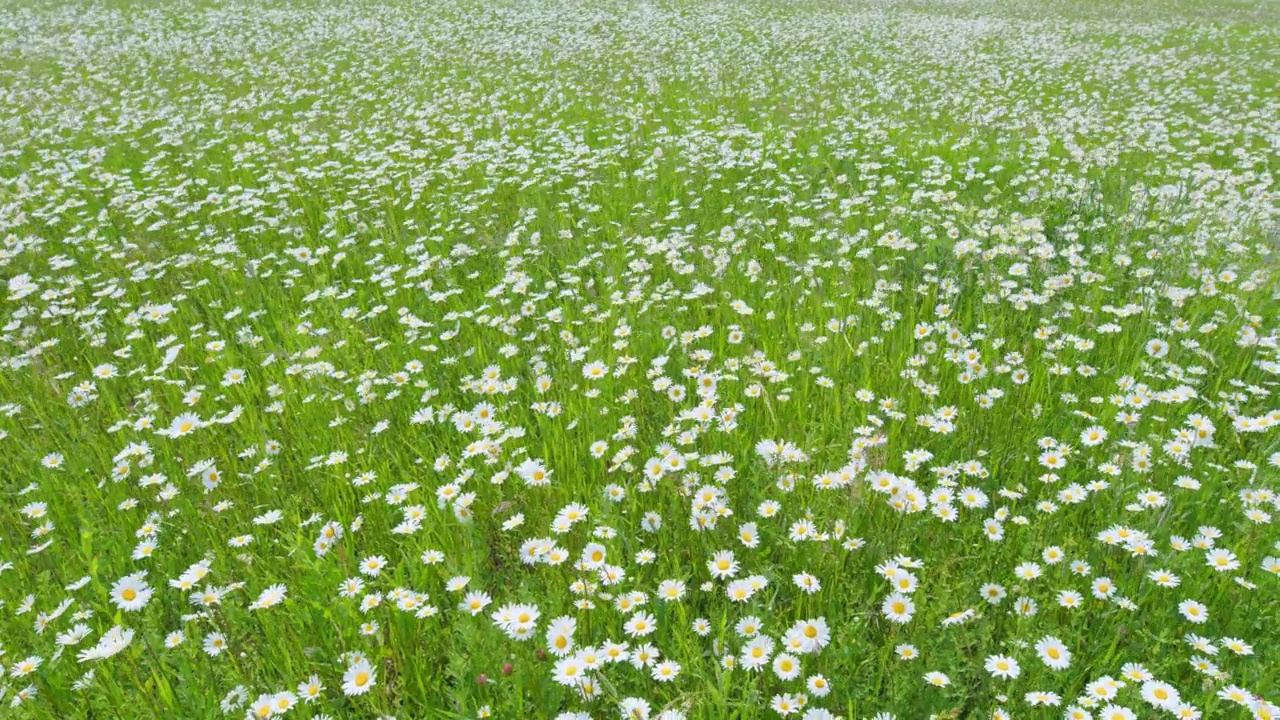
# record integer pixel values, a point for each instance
(404, 360)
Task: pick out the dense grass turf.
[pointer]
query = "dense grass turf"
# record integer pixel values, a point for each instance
(521, 360)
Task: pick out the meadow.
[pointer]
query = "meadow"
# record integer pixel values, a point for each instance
(678, 359)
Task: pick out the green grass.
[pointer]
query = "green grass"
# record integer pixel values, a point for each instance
(778, 197)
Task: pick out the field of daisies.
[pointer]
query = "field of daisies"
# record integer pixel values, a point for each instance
(671, 359)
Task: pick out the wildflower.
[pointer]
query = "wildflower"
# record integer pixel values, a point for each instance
(1003, 666)
(131, 593)
(1053, 653)
(359, 677)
